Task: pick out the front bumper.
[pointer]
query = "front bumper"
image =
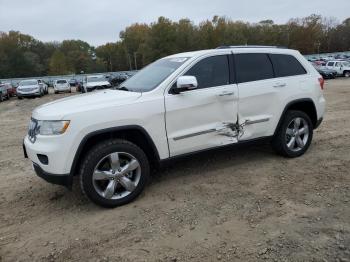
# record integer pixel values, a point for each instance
(58, 179)
(28, 94)
(63, 180)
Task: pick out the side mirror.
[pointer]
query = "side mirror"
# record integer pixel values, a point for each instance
(185, 83)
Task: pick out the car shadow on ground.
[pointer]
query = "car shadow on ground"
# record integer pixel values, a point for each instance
(189, 166)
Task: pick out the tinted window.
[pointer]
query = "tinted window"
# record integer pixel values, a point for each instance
(253, 67)
(211, 71)
(286, 65)
(330, 64)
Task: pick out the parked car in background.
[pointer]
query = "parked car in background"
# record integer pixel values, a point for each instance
(61, 85)
(11, 89)
(95, 82)
(326, 73)
(341, 67)
(79, 87)
(4, 92)
(73, 82)
(116, 81)
(30, 88)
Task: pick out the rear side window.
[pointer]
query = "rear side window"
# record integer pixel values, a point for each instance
(286, 65)
(211, 71)
(253, 67)
(330, 64)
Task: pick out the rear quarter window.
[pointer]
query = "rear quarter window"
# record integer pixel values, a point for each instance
(286, 65)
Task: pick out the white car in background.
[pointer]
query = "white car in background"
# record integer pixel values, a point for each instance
(95, 82)
(61, 85)
(341, 67)
(30, 88)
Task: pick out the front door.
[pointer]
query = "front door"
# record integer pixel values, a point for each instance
(202, 118)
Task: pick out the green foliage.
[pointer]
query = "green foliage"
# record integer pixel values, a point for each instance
(140, 44)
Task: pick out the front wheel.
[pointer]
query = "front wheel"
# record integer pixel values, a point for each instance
(114, 173)
(294, 135)
(347, 74)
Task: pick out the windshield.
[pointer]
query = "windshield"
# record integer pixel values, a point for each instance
(28, 83)
(151, 76)
(61, 81)
(96, 79)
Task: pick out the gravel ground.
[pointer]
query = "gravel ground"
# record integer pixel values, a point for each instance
(243, 204)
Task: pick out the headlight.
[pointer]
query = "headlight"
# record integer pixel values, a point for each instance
(48, 128)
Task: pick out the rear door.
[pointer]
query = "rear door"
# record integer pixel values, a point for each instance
(201, 118)
(265, 83)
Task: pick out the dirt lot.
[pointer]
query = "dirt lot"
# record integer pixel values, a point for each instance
(246, 204)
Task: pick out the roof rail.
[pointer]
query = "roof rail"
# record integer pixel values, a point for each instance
(248, 46)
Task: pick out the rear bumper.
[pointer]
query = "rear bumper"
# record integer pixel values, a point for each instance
(318, 123)
(63, 180)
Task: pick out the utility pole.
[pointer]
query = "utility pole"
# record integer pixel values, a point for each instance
(318, 44)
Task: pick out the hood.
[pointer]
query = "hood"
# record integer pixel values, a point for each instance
(62, 108)
(100, 83)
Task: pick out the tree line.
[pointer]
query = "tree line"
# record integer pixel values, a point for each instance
(22, 55)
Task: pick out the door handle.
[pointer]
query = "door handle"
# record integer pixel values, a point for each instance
(227, 93)
(280, 85)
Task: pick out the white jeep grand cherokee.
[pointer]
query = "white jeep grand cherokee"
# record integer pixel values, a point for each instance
(178, 105)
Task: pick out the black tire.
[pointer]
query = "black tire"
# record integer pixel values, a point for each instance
(19, 97)
(56, 92)
(92, 160)
(1, 98)
(347, 74)
(281, 138)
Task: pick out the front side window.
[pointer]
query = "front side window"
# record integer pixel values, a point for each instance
(331, 64)
(253, 67)
(211, 71)
(286, 65)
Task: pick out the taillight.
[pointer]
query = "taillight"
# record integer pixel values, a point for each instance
(321, 81)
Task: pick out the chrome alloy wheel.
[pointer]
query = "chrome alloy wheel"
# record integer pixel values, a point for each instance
(297, 134)
(116, 175)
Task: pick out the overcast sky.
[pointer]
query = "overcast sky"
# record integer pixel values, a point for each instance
(100, 21)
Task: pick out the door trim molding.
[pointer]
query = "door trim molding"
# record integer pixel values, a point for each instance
(195, 134)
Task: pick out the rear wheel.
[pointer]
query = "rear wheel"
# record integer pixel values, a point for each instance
(1, 97)
(294, 136)
(114, 173)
